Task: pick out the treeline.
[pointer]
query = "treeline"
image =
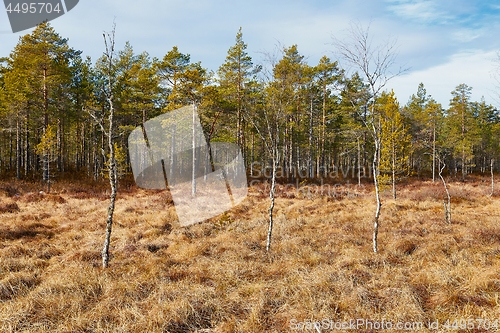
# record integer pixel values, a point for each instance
(52, 102)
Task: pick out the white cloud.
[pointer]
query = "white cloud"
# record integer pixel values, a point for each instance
(467, 35)
(474, 68)
(425, 11)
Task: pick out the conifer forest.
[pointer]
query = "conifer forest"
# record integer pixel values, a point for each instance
(51, 99)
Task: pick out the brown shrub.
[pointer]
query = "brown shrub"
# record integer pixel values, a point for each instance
(423, 191)
(453, 298)
(32, 197)
(10, 190)
(49, 253)
(17, 285)
(153, 248)
(489, 236)
(39, 216)
(406, 246)
(84, 194)
(27, 231)
(11, 207)
(42, 196)
(55, 198)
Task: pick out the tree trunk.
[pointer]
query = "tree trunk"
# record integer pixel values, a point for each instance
(290, 161)
(111, 209)
(359, 162)
(323, 133)
(26, 146)
(238, 120)
(18, 147)
(434, 153)
(464, 168)
(45, 157)
(492, 164)
(172, 152)
(252, 152)
(112, 172)
(11, 137)
(60, 148)
(464, 165)
(394, 170)
(271, 196)
(377, 195)
(310, 153)
(193, 184)
(447, 203)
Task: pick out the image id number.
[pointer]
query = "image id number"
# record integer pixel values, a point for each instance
(33, 8)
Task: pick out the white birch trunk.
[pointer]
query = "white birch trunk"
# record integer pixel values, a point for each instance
(193, 185)
(271, 207)
(434, 153)
(377, 195)
(492, 164)
(447, 204)
(112, 172)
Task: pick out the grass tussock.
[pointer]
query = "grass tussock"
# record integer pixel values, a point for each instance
(9, 207)
(216, 277)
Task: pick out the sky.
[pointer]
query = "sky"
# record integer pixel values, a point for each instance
(443, 43)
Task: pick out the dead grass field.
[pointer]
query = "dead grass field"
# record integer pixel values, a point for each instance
(216, 277)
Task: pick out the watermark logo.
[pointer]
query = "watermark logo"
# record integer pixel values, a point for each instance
(205, 179)
(25, 15)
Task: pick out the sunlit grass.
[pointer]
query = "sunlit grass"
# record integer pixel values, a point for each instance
(216, 277)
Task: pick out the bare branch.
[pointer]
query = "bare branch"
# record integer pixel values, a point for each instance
(375, 62)
(98, 121)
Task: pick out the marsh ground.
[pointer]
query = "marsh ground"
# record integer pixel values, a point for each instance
(216, 277)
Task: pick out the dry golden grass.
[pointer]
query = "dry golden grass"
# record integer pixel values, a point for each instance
(216, 277)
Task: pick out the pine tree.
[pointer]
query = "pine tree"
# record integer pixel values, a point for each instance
(461, 128)
(424, 117)
(327, 74)
(394, 138)
(354, 134)
(47, 148)
(137, 90)
(434, 117)
(418, 126)
(183, 81)
(14, 107)
(83, 130)
(234, 77)
(487, 117)
(289, 75)
(38, 84)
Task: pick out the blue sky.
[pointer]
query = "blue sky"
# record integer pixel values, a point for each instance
(445, 43)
